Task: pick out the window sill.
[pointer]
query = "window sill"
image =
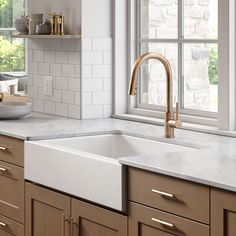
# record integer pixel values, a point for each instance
(185, 125)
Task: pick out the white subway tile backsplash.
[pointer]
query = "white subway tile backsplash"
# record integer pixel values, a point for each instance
(107, 111)
(62, 57)
(68, 97)
(102, 44)
(102, 98)
(43, 68)
(68, 44)
(77, 98)
(57, 94)
(50, 107)
(74, 111)
(92, 112)
(107, 84)
(92, 58)
(87, 71)
(74, 85)
(33, 44)
(87, 45)
(61, 109)
(74, 58)
(44, 44)
(29, 55)
(55, 69)
(37, 80)
(107, 57)
(68, 70)
(38, 105)
(61, 83)
(33, 92)
(77, 71)
(55, 44)
(42, 96)
(87, 98)
(102, 71)
(38, 56)
(49, 56)
(93, 85)
(32, 68)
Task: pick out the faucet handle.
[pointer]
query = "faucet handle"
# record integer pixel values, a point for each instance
(178, 122)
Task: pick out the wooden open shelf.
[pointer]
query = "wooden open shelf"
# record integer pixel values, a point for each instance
(46, 36)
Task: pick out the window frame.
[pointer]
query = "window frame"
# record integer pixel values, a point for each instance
(12, 29)
(225, 119)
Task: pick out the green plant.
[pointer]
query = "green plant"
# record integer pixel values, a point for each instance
(12, 55)
(3, 3)
(213, 66)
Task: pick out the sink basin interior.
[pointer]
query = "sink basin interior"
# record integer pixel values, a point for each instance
(116, 145)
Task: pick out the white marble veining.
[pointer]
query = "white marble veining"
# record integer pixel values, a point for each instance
(212, 163)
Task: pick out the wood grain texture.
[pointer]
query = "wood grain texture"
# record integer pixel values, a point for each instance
(12, 228)
(15, 150)
(190, 200)
(91, 220)
(45, 211)
(12, 192)
(223, 213)
(141, 223)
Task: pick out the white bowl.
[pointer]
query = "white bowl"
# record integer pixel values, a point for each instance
(14, 110)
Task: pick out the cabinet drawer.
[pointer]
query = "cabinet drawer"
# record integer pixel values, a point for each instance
(173, 195)
(146, 221)
(10, 228)
(12, 191)
(12, 150)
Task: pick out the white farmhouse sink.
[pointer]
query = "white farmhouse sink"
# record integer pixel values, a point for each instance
(88, 166)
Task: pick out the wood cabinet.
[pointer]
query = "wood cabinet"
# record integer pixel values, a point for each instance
(223, 213)
(49, 213)
(11, 186)
(160, 205)
(146, 221)
(180, 197)
(91, 220)
(10, 228)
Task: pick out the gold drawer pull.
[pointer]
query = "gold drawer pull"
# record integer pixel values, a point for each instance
(163, 223)
(3, 148)
(3, 169)
(163, 193)
(3, 224)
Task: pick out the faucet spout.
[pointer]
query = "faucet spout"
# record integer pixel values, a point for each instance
(170, 122)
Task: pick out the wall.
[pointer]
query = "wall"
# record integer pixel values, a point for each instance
(60, 59)
(82, 68)
(97, 78)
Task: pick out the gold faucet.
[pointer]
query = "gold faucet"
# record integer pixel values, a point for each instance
(170, 121)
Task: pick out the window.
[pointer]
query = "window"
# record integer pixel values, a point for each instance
(186, 33)
(12, 51)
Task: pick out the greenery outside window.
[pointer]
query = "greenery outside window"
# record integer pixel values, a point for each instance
(12, 51)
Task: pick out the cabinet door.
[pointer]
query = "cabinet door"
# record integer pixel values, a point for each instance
(89, 220)
(223, 213)
(146, 221)
(47, 212)
(10, 228)
(12, 191)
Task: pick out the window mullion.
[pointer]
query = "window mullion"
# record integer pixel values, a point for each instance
(180, 55)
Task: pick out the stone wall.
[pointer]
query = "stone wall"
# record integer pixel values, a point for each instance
(162, 18)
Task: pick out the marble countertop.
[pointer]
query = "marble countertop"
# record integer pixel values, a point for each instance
(212, 161)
